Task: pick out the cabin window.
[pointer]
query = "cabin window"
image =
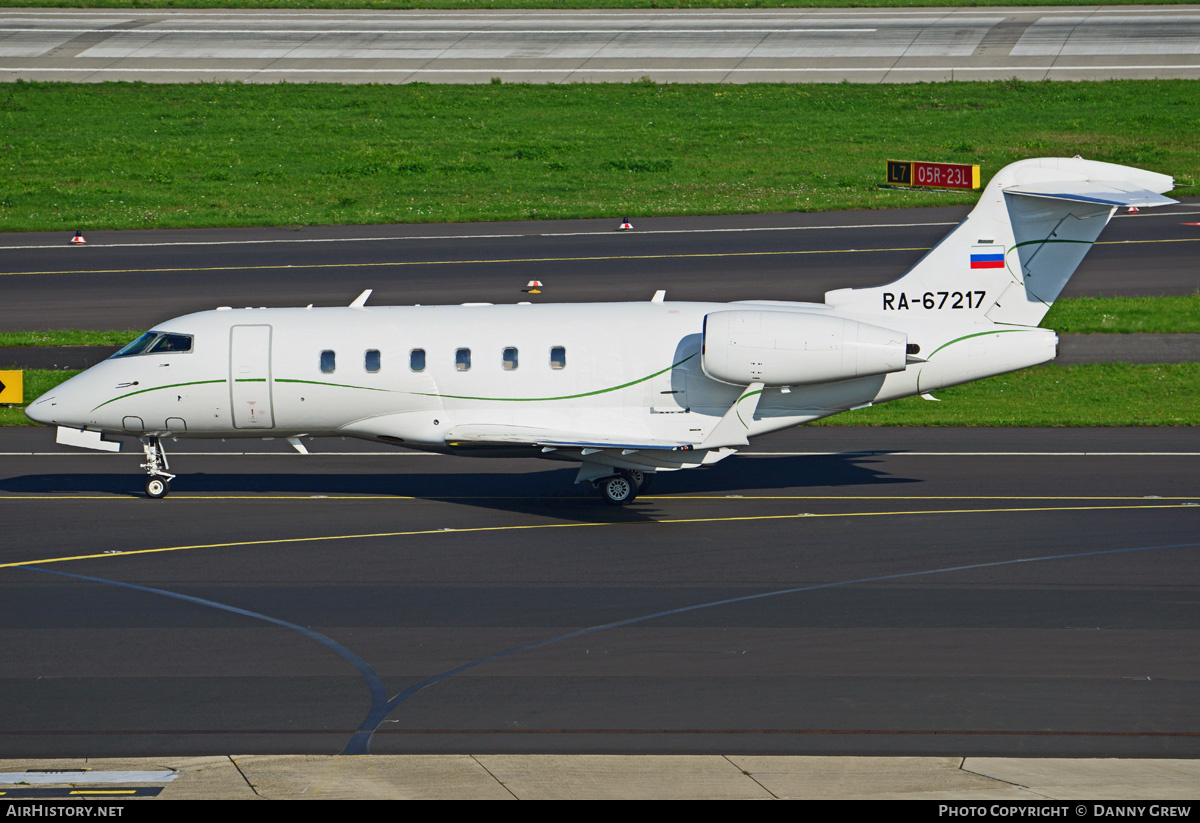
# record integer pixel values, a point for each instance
(558, 357)
(416, 360)
(462, 359)
(372, 360)
(510, 359)
(328, 363)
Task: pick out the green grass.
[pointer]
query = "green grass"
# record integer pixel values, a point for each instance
(1093, 394)
(66, 337)
(1125, 315)
(551, 4)
(120, 155)
(1111, 394)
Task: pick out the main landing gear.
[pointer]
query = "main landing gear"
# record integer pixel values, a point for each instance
(623, 486)
(159, 482)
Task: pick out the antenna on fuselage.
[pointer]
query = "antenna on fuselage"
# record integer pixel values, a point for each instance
(361, 300)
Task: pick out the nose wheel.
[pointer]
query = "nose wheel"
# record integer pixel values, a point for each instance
(159, 482)
(157, 487)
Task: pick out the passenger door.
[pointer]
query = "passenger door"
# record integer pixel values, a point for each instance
(250, 377)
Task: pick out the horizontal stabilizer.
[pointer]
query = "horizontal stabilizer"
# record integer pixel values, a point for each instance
(1094, 191)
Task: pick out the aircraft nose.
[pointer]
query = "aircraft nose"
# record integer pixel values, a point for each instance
(56, 407)
(42, 410)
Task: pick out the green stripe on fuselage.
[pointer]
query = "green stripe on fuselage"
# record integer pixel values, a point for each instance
(158, 388)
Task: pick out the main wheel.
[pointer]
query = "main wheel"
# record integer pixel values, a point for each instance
(157, 487)
(618, 490)
(642, 480)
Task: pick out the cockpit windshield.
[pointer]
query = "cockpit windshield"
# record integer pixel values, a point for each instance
(171, 343)
(153, 342)
(137, 346)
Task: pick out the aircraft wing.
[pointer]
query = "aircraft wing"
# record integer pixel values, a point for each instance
(489, 434)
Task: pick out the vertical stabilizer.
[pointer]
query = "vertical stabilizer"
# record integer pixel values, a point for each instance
(1014, 253)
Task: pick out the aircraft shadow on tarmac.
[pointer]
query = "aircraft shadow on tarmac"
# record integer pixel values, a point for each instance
(546, 492)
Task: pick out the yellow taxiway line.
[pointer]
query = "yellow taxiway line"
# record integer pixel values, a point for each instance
(383, 498)
(529, 260)
(544, 526)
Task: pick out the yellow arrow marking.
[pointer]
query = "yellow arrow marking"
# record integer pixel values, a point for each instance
(12, 387)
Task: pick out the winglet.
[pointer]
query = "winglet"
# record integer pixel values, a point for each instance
(659, 296)
(731, 429)
(361, 300)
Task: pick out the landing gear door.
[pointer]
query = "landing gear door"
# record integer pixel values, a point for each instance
(250, 377)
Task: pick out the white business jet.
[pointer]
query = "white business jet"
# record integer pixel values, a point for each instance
(624, 389)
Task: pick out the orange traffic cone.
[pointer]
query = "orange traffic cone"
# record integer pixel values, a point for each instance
(1132, 210)
(533, 287)
(78, 239)
(625, 225)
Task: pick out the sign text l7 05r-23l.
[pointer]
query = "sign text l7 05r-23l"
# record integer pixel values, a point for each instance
(933, 175)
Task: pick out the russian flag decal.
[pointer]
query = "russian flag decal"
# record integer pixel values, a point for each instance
(987, 261)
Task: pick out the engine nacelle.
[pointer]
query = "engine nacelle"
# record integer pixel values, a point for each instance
(792, 348)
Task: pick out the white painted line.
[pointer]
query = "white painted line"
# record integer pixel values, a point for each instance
(900, 453)
(585, 70)
(407, 453)
(582, 71)
(393, 238)
(753, 228)
(423, 32)
(1165, 213)
(601, 233)
(83, 776)
(286, 240)
(397, 453)
(648, 14)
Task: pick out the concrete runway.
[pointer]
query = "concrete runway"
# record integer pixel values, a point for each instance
(1025, 784)
(857, 45)
(921, 592)
(134, 279)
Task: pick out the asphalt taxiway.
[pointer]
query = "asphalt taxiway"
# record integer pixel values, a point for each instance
(133, 279)
(917, 592)
(937, 592)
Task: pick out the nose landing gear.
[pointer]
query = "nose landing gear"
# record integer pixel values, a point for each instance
(159, 482)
